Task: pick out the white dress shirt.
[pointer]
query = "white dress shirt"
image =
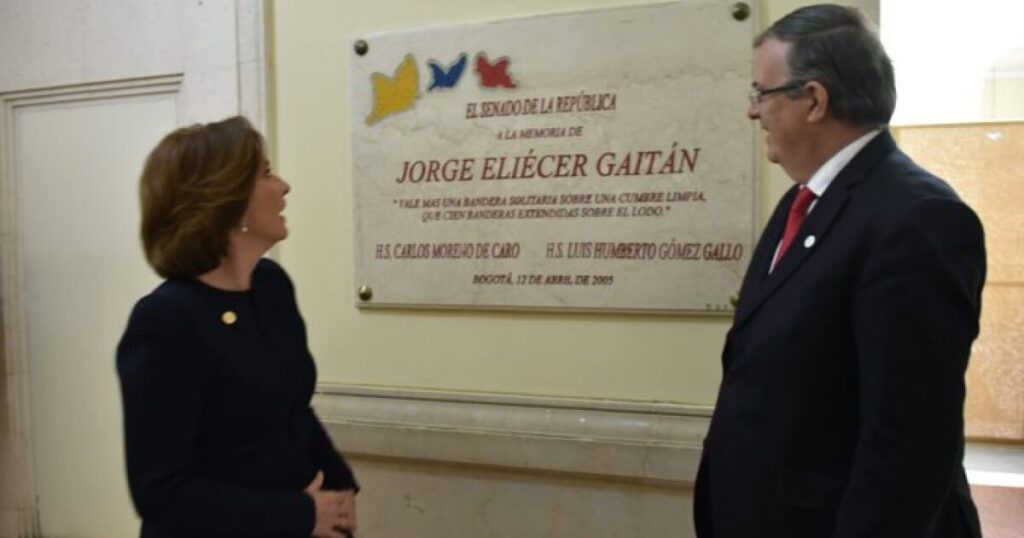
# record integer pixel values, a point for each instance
(823, 178)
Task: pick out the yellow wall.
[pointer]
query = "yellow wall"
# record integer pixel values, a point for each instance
(645, 358)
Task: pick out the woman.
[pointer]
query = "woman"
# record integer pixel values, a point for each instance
(216, 376)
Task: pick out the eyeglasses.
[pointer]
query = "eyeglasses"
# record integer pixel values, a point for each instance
(757, 95)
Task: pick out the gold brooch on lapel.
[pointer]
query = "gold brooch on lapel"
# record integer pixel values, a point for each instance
(229, 317)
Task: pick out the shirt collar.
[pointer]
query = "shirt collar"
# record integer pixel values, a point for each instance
(821, 179)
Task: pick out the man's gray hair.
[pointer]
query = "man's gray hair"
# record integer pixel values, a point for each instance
(839, 48)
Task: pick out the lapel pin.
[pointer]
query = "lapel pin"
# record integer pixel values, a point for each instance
(809, 242)
(229, 317)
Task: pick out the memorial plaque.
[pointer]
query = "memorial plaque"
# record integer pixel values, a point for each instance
(596, 160)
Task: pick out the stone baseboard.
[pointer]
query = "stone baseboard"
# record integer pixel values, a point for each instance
(648, 443)
(441, 464)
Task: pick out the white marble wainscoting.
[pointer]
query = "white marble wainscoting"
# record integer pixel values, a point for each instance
(441, 464)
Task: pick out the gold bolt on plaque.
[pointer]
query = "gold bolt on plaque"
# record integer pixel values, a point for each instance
(365, 293)
(734, 300)
(362, 47)
(740, 11)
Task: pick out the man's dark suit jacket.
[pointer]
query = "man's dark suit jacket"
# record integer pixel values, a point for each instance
(219, 436)
(840, 413)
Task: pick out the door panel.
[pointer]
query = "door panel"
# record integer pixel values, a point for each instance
(77, 166)
(87, 87)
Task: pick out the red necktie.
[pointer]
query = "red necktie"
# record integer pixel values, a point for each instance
(797, 214)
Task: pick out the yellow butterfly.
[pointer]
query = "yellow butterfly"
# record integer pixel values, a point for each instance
(392, 95)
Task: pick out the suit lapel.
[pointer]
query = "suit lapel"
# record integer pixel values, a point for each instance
(757, 288)
(817, 224)
(757, 272)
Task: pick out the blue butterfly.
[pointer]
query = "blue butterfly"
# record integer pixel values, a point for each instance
(444, 80)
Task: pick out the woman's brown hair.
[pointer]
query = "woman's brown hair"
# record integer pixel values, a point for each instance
(194, 189)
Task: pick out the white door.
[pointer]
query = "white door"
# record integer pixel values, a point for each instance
(87, 88)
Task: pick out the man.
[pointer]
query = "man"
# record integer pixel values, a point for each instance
(840, 413)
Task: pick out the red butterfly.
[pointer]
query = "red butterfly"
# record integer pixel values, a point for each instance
(493, 75)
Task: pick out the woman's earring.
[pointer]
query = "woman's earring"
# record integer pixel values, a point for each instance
(245, 227)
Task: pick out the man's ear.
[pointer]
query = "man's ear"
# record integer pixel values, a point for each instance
(818, 94)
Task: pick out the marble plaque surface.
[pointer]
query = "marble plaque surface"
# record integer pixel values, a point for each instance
(593, 160)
